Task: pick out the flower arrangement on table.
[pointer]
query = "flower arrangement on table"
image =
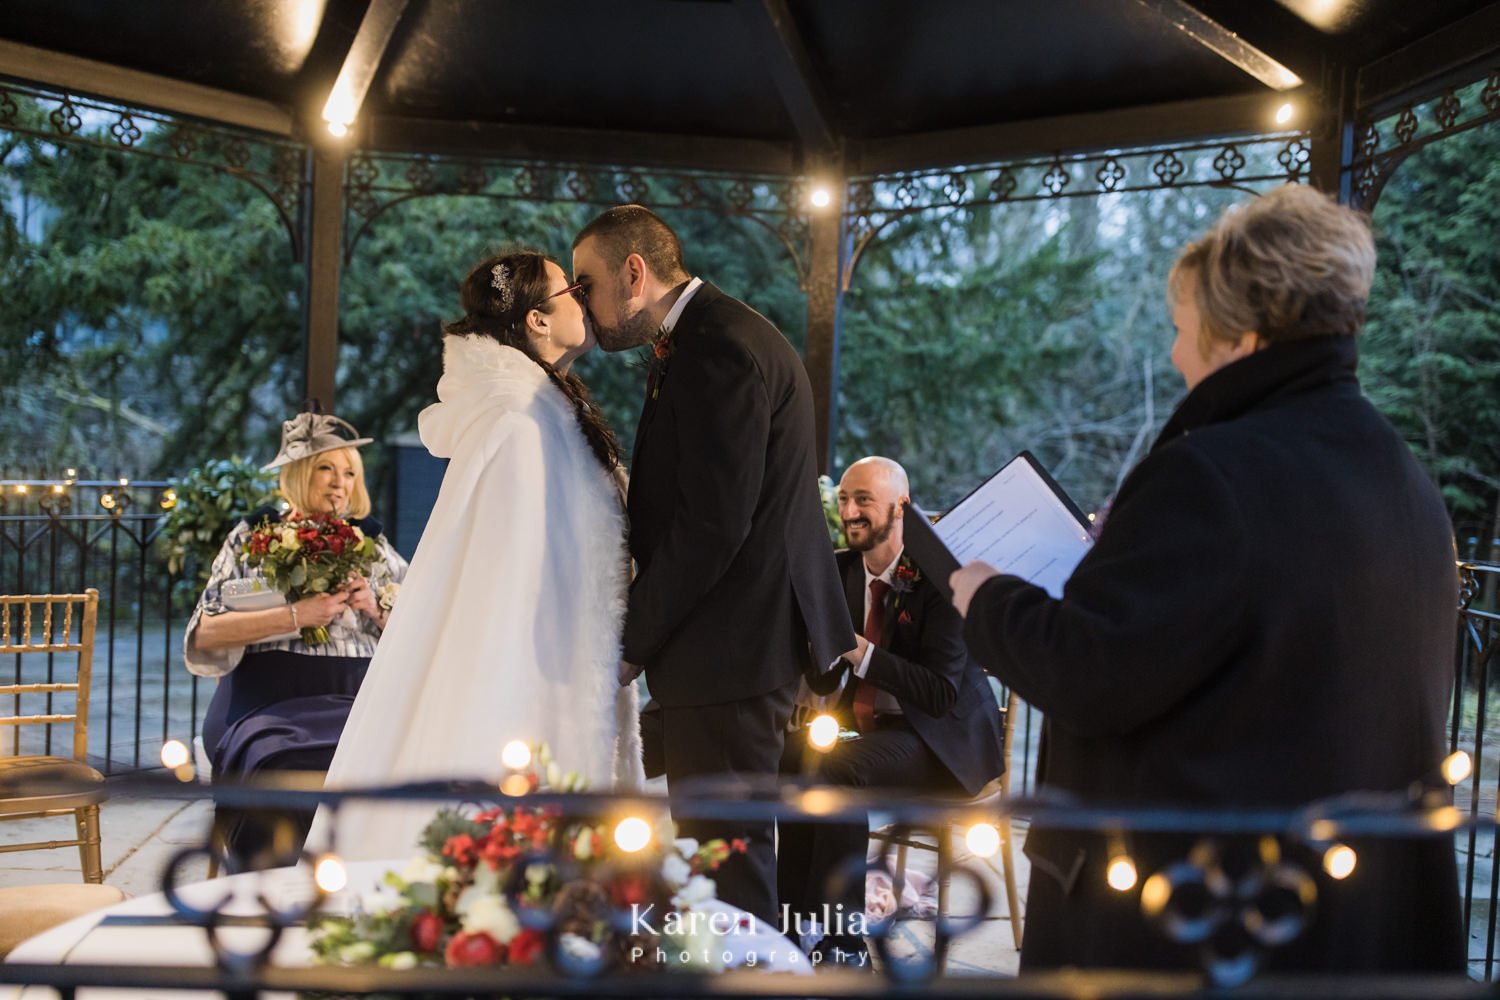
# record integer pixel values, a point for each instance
(307, 554)
(487, 886)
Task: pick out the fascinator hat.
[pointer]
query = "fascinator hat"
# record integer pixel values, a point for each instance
(309, 434)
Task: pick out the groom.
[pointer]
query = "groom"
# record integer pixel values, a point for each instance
(737, 593)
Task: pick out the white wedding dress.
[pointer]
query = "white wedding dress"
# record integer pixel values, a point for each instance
(507, 626)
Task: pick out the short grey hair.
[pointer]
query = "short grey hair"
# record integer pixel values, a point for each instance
(1292, 263)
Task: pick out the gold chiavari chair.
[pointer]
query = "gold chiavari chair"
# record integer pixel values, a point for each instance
(37, 784)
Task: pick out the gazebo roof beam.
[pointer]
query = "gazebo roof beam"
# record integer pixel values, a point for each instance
(109, 82)
(1449, 51)
(580, 145)
(1226, 43)
(1123, 128)
(360, 64)
(776, 36)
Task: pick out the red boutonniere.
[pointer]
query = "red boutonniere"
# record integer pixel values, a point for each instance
(661, 353)
(903, 579)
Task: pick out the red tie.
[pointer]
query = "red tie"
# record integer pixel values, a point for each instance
(864, 695)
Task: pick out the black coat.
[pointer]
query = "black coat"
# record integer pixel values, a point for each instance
(922, 662)
(735, 571)
(1266, 619)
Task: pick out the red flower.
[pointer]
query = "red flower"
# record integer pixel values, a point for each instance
(426, 931)
(628, 890)
(526, 946)
(496, 852)
(739, 845)
(460, 847)
(336, 544)
(473, 948)
(904, 619)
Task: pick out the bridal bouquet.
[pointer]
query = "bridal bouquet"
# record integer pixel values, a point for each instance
(486, 884)
(309, 554)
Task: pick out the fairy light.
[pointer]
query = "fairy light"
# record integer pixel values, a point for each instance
(58, 488)
(821, 197)
(516, 755)
(1339, 861)
(20, 487)
(983, 839)
(169, 499)
(107, 501)
(1121, 874)
(823, 732)
(516, 785)
(330, 873)
(174, 754)
(632, 834)
(1457, 766)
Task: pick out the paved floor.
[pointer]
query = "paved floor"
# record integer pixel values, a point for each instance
(140, 836)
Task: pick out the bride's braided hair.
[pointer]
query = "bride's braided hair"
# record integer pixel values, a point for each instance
(497, 296)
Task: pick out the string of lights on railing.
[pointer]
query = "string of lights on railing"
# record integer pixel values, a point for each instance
(56, 497)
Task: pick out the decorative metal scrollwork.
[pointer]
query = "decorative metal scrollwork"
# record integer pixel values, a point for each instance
(65, 118)
(125, 130)
(1294, 157)
(9, 109)
(1004, 185)
(1233, 918)
(634, 188)
(1229, 162)
(419, 175)
(1445, 111)
(1056, 178)
(1406, 126)
(1489, 97)
(1110, 175)
(1168, 169)
(956, 188)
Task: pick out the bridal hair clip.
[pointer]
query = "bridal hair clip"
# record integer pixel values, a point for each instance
(500, 282)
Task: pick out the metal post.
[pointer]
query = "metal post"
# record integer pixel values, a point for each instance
(825, 295)
(1332, 142)
(325, 249)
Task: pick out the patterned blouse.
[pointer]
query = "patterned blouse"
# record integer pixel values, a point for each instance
(350, 634)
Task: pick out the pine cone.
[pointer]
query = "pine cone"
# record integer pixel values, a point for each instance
(581, 908)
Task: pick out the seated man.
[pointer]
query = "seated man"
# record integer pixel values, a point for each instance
(927, 718)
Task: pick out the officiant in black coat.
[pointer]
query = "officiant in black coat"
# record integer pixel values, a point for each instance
(1266, 620)
(736, 593)
(927, 718)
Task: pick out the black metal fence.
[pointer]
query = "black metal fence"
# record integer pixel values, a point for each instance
(66, 536)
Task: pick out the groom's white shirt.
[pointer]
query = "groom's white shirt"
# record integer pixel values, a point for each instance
(675, 313)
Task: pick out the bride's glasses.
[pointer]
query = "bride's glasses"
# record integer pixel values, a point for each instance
(576, 290)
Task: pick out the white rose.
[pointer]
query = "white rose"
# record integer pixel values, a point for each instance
(490, 915)
(399, 961)
(686, 846)
(359, 536)
(696, 890)
(289, 539)
(580, 948)
(421, 868)
(676, 871)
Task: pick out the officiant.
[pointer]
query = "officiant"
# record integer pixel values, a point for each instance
(1266, 620)
(927, 718)
(280, 704)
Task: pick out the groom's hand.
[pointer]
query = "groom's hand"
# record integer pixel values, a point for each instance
(627, 672)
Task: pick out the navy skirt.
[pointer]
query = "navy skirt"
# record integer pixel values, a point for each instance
(281, 710)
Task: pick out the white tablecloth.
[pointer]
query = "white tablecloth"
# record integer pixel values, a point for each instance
(83, 941)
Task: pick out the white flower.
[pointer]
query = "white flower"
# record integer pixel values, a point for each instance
(537, 875)
(421, 868)
(583, 846)
(686, 846)
(387, 594)
(581, 948)
(289, 539)
(359, 536)
(697, 889)
(399, 961)
(490, 915)
(676, 870)
(359, 951)
(704, 947)
(665, 831)
(554, 775)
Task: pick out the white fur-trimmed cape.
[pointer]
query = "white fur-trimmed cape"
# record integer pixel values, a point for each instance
(508, 623)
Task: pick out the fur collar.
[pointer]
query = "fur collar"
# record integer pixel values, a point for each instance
(481, 375)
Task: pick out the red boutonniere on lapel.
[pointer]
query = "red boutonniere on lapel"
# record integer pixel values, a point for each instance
(661, 353)
(903, 580)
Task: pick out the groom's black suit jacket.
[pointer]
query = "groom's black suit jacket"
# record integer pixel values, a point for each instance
(736, 576)
(923, 662)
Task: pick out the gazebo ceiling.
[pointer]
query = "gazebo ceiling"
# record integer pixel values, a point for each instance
(760, 85)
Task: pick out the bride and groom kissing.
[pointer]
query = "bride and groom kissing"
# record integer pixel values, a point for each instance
(519, 617)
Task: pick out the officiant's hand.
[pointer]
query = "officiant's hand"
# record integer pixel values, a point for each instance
(362, 597)
(627, 672)
(966, 581)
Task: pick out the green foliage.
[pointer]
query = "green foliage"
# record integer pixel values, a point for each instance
(829, 490)
(1431, 355)
(211, 499)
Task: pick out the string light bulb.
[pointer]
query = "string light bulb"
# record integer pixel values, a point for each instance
(1339, 861)
(330, 874)
(174, 754)
(823, 732)
(1121, 874)
(632, 834)
(1457, 766)
(983, 840)
(1285, 113)
(107, 501)
(820, 197)
(515, 785)
(516, 755)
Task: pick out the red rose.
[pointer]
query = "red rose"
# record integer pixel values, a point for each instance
(476, 948)
(426, 931)
(337, 545)
(460, 847)
(526, 946)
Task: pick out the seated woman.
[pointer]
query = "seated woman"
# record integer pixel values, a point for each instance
(281, 704)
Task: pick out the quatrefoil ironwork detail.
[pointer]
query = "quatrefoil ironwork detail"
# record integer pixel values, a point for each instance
(1110, 174)
(1168, 169)
(1229, 162)
(125, 131)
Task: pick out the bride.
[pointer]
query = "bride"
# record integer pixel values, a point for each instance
(508, 626)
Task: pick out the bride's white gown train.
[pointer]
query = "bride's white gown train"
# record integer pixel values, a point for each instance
(508, 623)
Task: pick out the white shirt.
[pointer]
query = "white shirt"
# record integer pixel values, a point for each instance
(885, 702)
(675, 313)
